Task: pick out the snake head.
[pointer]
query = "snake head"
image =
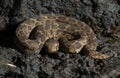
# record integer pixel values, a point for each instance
(51, 46)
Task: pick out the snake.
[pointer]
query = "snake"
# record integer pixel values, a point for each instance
(56, 32)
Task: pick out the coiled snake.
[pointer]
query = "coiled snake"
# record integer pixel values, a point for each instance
(56, 32)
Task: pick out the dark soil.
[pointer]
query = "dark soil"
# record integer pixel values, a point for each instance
(103, 16)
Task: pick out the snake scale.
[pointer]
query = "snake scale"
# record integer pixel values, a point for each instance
(56, 32)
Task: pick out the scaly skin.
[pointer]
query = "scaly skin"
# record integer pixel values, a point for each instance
(71, 34)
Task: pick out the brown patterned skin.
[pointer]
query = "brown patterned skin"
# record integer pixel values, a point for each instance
(55, 31)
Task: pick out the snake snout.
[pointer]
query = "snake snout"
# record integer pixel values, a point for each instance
(52, 46)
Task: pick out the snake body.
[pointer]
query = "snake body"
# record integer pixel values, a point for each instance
(56, 32)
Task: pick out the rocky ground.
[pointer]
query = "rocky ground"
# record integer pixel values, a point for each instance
(102, 15)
